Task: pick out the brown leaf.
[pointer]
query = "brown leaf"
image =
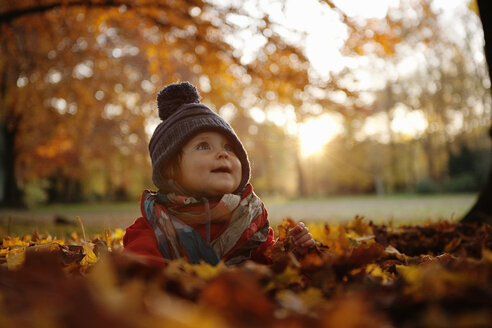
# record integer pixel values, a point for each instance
(238, 297)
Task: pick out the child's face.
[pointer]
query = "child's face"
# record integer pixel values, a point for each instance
(209, 164)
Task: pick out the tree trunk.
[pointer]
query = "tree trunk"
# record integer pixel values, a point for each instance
(301, 181)
(12, 195)
(388, 103)
(430, 155)
(3, 164)
(482, 210)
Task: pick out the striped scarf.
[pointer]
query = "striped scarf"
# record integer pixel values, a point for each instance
(171, 215)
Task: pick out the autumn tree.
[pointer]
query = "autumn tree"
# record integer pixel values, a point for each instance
(78, 82)
(444, 77)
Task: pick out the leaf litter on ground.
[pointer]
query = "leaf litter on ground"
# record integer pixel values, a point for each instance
(358, 275)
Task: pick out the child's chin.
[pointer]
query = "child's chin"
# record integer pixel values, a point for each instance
(220, 191)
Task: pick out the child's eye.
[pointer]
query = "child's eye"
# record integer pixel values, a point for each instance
(203, 146)
(228, 147)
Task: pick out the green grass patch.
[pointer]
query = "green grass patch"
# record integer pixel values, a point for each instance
(370, 197)
(20, 227)
(80, 206)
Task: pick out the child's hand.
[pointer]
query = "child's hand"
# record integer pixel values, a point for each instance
(301, 236)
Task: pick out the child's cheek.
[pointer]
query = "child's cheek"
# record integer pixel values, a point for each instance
(202, 167)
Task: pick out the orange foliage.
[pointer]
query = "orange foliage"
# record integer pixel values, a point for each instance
(367, 284)
(80, 79)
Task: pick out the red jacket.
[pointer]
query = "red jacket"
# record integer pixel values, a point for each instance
(140, 239)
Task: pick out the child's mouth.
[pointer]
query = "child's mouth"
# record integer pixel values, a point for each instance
(222, 169)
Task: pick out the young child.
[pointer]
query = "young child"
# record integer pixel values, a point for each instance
(205, 209)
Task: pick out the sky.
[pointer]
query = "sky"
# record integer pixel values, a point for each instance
(324, 36)
(325, 32)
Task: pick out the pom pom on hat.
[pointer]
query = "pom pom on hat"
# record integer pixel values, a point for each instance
(173, 96)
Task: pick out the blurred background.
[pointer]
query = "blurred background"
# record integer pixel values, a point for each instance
(377, 108)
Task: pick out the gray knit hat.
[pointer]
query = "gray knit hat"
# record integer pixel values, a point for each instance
(183, 117)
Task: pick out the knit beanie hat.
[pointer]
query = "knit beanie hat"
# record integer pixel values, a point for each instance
(183, 117)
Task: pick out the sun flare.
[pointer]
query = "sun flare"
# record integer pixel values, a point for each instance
(315, 133)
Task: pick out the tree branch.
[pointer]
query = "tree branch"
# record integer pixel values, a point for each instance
(10, 15)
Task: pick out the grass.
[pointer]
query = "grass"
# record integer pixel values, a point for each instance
(399, 208)
(16, 228)
(78, 206)
(95, 216)
(395, 196)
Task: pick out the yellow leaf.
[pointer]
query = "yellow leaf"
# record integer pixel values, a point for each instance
(289, 276)
(376, 271)
(107, 237)
(410, 273)
(90, 257)
(360, 227)
(59, 241)
(118, 234)
(312, 297)
(431, 281)
(335, 237)
(15, 258)
(284, 228)
(319, 232)
(14, 241)
(75, 236)
(203, 270)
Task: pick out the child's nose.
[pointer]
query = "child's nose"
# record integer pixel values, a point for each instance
(222, 153)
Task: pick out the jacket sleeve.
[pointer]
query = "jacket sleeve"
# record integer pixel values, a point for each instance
(259, 254)
(140, 239)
